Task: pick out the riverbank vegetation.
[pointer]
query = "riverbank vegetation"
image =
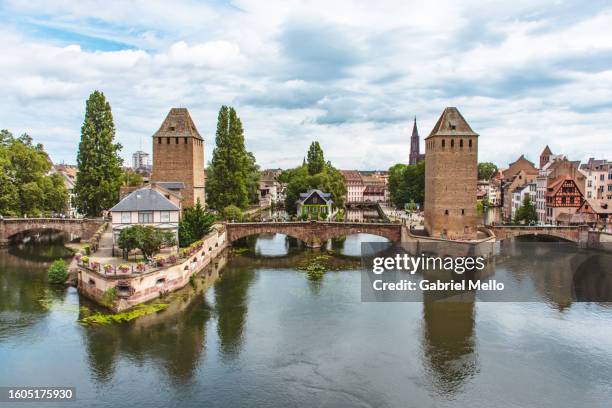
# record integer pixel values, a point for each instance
(195, 223)
(58, 272)
(28, 187)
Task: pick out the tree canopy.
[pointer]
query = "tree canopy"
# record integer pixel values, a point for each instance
(486, 170)
(526, 212)
(407, 184)
(300, 179)
(194, 224)
(27, 185)
(146, 238)
(233, 175)
(100, 175)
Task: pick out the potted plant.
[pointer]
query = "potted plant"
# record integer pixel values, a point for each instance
(140, 267)
(172, 259)
(85, 260)
(78, 256)
(160, 261)
(94, 265)
(108, 268)
(124, 268)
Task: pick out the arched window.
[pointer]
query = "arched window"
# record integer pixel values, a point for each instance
(452, 143)
(461, 143)
(443, 142)
(470, 143)
(167, 140)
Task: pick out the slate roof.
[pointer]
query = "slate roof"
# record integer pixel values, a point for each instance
(171, 185)
(324, 196)
(178, 123)
(451, 123)
(145, 199)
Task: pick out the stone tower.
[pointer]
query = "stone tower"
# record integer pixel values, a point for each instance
(415, 149)
(545, 156)
(178, 157)
(451, 172)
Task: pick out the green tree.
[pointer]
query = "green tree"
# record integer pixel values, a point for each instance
(232, 213)
(486, 170)
(316, 159)
(28, 186)
(57, 272)
(233, 176)
(130, 178)
(146, 238)
(300, 180)
(99, 177)
(196, 223)
(526, 212)
(407, 183)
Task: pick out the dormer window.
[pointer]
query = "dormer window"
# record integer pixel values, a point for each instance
(452, 126)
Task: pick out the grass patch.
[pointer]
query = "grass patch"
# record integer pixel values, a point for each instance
(104, 318)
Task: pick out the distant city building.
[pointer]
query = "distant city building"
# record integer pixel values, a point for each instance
(545, 156)
(598, 175)
(141, 161)
(557, 166)
(415, 149)
(146, 206)
(518, 173)
(271, 190)
(374, 188)
(178, 156)
(314, 204)
(519, 194)
(69, 174)
(563, 199)
(354, 186)
(451, 157)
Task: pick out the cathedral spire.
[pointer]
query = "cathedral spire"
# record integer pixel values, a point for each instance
(415, 151)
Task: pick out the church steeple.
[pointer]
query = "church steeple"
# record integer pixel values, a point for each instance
(415, 151)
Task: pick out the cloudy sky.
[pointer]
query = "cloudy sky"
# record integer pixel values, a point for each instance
(352, 75)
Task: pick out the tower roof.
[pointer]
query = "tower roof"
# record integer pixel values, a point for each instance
(415, 131)
(178, 123)
(546, 151)
(451, 123)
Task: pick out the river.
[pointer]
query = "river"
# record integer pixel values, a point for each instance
(266, 336)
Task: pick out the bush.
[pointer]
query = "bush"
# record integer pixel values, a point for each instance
(58, 272)
(232, 213)
(87, 249)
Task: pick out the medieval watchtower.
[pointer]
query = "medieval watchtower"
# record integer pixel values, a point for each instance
(451, 160)
(178, 157)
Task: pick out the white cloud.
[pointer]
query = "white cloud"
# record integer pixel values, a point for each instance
(349, 74)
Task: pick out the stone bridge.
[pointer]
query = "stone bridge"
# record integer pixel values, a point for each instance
(578, 234)
(314, 233)
(10, 228)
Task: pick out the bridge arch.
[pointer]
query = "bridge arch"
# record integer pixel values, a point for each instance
(10, 228)
(313, 233)
(571, 234)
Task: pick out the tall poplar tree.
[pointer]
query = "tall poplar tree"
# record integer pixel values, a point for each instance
(99, 176)
(316, 159)
(233, 175)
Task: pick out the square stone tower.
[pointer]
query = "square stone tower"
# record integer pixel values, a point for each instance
(178, 157)
(451, 173)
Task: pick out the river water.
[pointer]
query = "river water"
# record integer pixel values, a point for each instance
(266, 336)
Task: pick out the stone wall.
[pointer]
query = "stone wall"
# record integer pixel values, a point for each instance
(450, 186)
(140, 288)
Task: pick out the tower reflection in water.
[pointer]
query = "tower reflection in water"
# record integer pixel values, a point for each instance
(448, 343)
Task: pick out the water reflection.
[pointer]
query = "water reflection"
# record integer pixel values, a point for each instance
(449, 344)
(231, 302)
